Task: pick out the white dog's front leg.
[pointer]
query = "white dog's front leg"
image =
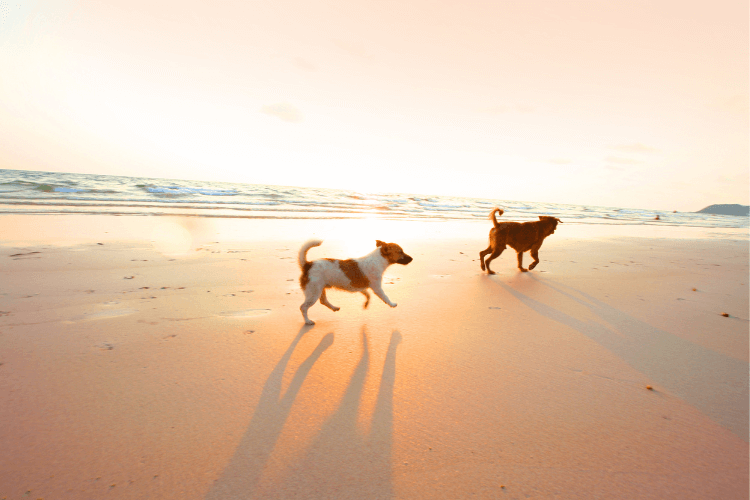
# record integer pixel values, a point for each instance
(380, 293)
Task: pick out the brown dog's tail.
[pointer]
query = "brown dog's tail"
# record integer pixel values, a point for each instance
(302, 259)
(492, 215)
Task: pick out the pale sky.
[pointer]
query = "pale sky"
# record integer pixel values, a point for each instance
(620, 103)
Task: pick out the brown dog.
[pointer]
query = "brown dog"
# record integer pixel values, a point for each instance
(520, 236)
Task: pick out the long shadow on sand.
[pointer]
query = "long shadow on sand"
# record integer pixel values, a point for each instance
(715, 384)
(240, 478)
(340, 462)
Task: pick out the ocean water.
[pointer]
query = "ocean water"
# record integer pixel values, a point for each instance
(30, 192)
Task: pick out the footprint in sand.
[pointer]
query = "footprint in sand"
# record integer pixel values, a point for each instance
(113, 313)
(19, 256)
(247, 313)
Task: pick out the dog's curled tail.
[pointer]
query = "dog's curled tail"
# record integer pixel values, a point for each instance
(302, 259)
(492, 215)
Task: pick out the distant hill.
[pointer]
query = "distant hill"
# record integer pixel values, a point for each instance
(726, 210)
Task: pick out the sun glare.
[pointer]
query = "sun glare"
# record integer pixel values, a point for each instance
(357, 237)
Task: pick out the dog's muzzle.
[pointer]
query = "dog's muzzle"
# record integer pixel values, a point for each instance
(404, 260)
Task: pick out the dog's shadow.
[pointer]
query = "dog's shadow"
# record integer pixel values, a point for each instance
(714, 383)
(340, 462)
(244, 471)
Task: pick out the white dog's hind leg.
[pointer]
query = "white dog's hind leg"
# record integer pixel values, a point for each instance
(324, 301)
(312, 293)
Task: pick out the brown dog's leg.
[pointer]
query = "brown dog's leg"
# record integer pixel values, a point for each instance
(520, 261)
(495, 254)
(482, 254)
(534, 255)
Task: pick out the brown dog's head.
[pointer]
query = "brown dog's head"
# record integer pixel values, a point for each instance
(393, 253)
(549, 224)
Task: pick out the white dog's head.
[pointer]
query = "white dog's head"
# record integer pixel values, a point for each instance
(393, 253)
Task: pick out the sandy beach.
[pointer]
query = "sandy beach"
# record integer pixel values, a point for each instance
(147, 357)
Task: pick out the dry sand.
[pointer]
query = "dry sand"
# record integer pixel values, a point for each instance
(163, 358)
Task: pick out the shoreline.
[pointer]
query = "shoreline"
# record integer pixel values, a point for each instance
(69, 229)
(167, 358)
(67, 193)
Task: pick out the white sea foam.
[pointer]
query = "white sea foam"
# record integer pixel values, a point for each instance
(31, 192)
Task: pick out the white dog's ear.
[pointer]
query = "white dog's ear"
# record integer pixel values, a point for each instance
(379, 243)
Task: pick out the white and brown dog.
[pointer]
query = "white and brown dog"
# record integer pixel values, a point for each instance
(352, 275)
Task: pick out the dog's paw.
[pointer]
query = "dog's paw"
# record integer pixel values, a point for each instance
(335, 308)
(309, 322)
(524, 270)
(490, 272)
(393, 304)
(532, 266)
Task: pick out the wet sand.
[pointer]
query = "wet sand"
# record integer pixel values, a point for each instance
(149, 357)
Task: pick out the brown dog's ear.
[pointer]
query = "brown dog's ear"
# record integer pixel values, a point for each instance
(379, 243)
